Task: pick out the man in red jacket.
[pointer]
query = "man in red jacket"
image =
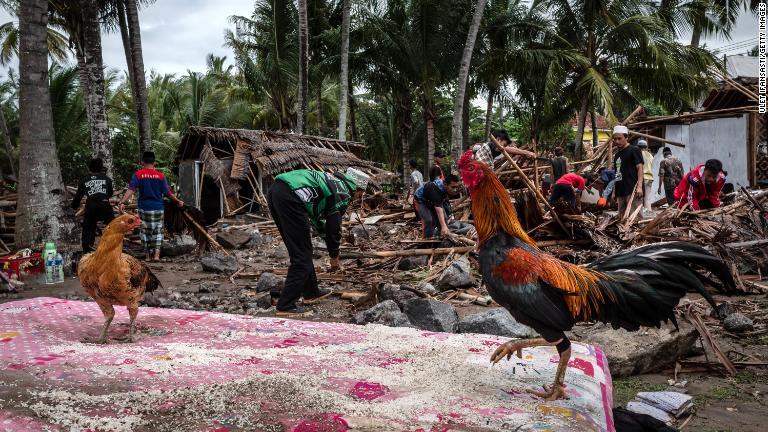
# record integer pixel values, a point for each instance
(701, 186)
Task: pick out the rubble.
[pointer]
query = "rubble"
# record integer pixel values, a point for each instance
(738, 323)
(178, 245)
(219, 263)
(387, 313)
(233, 238)
(395, 293)
(432, 315)
(457, 275)
(269, 282)
(495, 322)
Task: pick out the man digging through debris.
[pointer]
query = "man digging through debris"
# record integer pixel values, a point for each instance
(297, 199)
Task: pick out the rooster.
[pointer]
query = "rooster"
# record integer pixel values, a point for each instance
(628, 290)
(114, 278)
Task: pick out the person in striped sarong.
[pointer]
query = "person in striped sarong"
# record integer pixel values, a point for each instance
(152, 187)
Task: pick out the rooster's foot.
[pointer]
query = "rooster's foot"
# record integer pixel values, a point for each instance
(551, 392)
(98, 340)
(506, 350)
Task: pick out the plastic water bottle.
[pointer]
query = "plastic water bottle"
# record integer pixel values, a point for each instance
(59, 268)
(49, 257)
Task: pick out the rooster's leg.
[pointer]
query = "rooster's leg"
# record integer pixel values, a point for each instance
(516, 347)
(109, 314)
(132, 311)
(557, 389)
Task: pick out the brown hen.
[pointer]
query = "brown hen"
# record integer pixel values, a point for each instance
(114, 278)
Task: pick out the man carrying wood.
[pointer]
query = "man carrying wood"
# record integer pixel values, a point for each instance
(433, 207)
(297, 199)
(96, 187)
(152, 187)
(628, 164)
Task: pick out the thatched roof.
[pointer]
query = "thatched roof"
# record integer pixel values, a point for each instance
(273, 152)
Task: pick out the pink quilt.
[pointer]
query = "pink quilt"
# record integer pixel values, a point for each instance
(205, 371)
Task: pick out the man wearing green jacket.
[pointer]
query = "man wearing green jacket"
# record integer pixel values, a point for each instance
(297, 199)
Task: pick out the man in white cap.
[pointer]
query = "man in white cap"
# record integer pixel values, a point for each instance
(297, 199)
(647, 174)
(628, 163)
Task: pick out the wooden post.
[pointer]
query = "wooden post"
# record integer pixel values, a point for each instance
(528, 183)
(535, 165)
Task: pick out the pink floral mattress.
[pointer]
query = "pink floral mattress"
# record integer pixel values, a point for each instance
(204, 371)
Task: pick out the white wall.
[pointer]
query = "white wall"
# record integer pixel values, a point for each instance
(724, 139)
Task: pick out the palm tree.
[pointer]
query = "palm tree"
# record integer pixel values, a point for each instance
(40, 207)
(460, 100)
(9, 43)
(139, 83)
(344, 86)
(265, 48)
(301, 121)
(90, 26)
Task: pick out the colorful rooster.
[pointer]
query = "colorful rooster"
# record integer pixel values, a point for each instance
(628, 290)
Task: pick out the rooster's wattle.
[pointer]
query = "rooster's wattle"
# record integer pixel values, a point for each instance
(636, 288)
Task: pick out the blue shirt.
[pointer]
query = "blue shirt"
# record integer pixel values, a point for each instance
(419, 194)
(607, 175)
(152, 187)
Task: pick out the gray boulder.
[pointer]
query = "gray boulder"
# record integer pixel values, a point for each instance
(386, 313)
(394, 293)
(360, 232)
(738, 323)
(233, 239)
(208, 287)
(427, 288)
(722, 311)
(432, 315)
(280, 252)
(256, 239)
(412, 262)
(219, 263)
(178, 245)
(269, 282)
(495, 322)
(458, 275)
(644, 351)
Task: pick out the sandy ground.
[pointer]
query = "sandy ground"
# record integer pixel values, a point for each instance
(722, 403)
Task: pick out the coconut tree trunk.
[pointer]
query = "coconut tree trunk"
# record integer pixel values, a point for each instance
(126, 39)
(489, 113)
(7, 141)
(595, 130)
(466, 59)
(301, 121)
(352, 116)
(580, 128)
(696, 36)
(429, 122)
(404, 109)
(96, 95)
(140, 98)
(345, 25)
(84, 83)
(40, 213)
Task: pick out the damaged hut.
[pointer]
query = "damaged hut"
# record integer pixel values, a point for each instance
(227, 171)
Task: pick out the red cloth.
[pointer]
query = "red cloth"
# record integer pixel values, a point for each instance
(693, 189)
(574, 180)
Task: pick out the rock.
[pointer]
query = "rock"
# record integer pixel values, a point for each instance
(280, 252)
(208, 299)
(458, 275)
(386, 313)
(318, 248)
(151, 299)
(427, 288)
(178, 245)
(394, 293)
(413, 262)
(233, 239)
(388, 229)
(269, 282)
(495, 322)
(431, 315)
(360, 232)
(208, 287)
(219, 263)
(738, 323)
(722, 311)
(257, 239)
(644, 351)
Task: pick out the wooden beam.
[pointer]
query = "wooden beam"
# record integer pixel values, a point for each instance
(655, 138)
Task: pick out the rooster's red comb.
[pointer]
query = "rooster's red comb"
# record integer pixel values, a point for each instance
(466, 158)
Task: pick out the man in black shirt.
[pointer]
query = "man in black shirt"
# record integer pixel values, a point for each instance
(628, 164)
(97, 188)
(433, 207)
(559, 164)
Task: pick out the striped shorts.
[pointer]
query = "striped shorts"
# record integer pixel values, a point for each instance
(151, 233)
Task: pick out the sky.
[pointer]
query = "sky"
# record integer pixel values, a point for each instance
(177, 35)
